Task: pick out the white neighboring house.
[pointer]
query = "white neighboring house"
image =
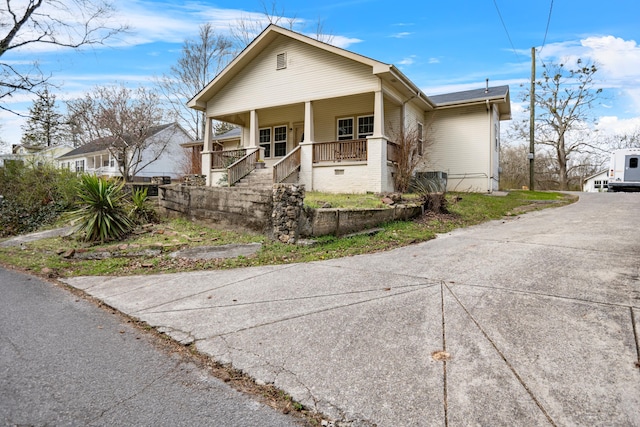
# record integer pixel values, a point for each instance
(35, 156)
(330, 118)
(95, 157)
(597, 182)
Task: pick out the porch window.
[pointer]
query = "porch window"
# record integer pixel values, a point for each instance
(345, 129)
(279, 141)
(365, 126)
(265, 141)
(79, 165)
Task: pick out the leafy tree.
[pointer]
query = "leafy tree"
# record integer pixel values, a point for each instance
(66, 23)
(45, 127)
(124, 121)
(564, 99)
(201, 60)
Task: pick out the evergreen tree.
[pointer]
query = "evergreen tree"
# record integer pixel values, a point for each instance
(45, 126)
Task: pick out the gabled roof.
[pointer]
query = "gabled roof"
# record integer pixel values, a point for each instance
(387, 72)
(605, 171)
(102, 144)
(495, 95)
(234, 133)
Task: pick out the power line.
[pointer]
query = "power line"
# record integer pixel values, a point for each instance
(495, 3)
(546, 31)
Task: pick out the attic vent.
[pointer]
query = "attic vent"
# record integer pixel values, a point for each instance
(281, 62)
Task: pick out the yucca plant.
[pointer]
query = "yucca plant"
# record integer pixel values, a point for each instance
(102, 214)
(141, 211)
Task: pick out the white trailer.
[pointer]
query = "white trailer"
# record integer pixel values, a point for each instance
(624, 170)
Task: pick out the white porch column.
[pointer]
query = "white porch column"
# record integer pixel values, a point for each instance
(306, 148)
(308, 122)
(377, 168)
(206, 151)
(378, 114)
(254, 126)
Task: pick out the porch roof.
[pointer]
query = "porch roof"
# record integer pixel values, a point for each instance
(387, 72)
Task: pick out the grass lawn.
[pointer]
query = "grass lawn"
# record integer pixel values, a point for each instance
(147, 251)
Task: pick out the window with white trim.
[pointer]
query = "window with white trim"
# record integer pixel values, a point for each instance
(279, 141)
(265, 141)
(345, 128)
(79, 165)
(346, 131)
(365, 126)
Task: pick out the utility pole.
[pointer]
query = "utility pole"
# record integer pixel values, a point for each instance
(532, 115)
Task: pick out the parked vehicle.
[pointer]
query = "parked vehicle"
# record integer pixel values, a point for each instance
(624, 170)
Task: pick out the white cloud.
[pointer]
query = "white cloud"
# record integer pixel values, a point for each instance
(618, 63)
(612, 125)
(434, 60)
(401, 35)
(408, 60)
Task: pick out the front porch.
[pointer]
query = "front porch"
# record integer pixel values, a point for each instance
(334, 166)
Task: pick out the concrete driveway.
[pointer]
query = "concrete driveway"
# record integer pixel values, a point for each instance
(530, 321)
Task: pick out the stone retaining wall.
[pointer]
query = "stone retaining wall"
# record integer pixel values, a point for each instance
(320, 222)
(235, 207)
(288, 200)
(277, 212)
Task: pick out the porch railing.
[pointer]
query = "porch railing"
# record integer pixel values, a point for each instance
(243, 166)
(287, 166)
(393, 152)
(337, 151)
(222, 159)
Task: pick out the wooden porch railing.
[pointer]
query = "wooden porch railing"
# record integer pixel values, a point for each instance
(336, 151)
(222, 159)
(393, 152)
(286, 166)
(243, 166)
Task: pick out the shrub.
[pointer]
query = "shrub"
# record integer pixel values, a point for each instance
(141, 210)
(31, 197)
(103, 210)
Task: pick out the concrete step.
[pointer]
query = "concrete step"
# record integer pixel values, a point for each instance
(258, 178)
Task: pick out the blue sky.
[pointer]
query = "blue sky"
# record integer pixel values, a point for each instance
(441, 46)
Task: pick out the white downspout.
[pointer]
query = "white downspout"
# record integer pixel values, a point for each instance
(489, 175)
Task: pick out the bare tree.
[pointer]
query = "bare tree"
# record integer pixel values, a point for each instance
(201, 60)
(248, 27)
(66, 23)
(623, 140)
(564, 99)
(125, 122)
(514, 166)
(411, 145)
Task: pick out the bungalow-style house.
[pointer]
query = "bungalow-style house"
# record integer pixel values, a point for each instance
(162, 144)
(595, 183)
(30, 155)
(334, 120)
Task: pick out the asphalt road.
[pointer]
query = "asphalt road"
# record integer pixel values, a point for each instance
(65, 361)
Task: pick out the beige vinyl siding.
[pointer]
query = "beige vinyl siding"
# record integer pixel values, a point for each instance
(311, 73)
(326, 113)
(461, 137)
